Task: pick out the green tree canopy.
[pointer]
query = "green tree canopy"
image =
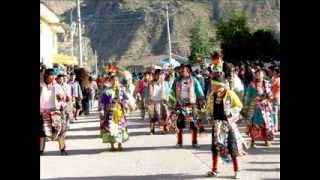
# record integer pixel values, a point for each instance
(238, 44)
(266, 45)
(226, 29)
(201, 43)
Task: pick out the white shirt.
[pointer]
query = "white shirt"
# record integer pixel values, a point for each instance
(47, 98)
(63, 89)
(238, 86)
(157, 92)
(184, 89)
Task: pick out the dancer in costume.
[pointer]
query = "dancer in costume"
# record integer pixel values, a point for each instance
(185, 92)
(52, 123)
(64, 90)
(139, 94)
(112, 108)
(260, 116)
(158, 91)
(276, 95)
(223, 108)
(235, 84)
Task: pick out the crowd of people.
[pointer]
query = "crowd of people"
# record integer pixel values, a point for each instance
(220, 94)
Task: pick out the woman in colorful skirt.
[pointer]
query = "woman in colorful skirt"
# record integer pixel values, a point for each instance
(52, 123)
(112, 107)
(276, 95)
(223, 108)
(260, 116)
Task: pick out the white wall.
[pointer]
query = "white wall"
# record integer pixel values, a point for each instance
(48, 44)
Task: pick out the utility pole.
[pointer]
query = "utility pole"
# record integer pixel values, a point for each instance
(79, 33)
(96, 59)
(72, 31)
(168, 29)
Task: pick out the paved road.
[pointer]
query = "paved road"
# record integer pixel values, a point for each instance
(147, 156)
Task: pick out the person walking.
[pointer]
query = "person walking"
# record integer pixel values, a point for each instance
(113, 102)
(76, 95)
(276, 95)
(93, 91)
(86, 92)
(146, 94)
(64, 90)
(185, 92)
(52, 123)
(223, 108)
(157, 105)
(259, 113)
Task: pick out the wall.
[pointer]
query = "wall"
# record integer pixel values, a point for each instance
(48, 44)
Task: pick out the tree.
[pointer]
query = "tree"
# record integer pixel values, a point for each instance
(201, 43)
(265, 45)
(238, 44)
(227, 28)
(235, 37)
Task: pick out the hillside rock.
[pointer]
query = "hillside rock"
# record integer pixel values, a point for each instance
(121, 30)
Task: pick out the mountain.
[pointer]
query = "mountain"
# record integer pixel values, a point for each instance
(131, 30)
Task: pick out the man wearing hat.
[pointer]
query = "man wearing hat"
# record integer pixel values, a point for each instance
(223, 108)
(185, 92)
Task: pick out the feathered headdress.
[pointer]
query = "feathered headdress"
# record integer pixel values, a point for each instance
(217, 63)
(111, 69)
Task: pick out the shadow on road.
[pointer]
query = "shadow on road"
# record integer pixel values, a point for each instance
(76, 152)
(96, 128)
(90, 121)
(206, 148)
(137, 126)
(92, 136)
(263, 169)
(146, 177)
(128, 149)
(125, 149)
(264, 162)
(266, 150)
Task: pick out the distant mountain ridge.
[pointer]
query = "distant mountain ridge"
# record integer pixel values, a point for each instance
(121, 30)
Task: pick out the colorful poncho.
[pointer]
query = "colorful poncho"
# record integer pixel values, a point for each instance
(113, 126)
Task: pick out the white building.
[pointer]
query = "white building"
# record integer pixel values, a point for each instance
(49, 27)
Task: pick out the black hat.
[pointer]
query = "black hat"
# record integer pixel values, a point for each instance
(49, 72)
(61, 75)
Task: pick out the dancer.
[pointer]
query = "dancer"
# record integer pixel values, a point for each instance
(112, 110)
(260, 116)
(185, 92)
(52, 122)
(64, 90)
(157, 105)
(223, 108)
(276, 95)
